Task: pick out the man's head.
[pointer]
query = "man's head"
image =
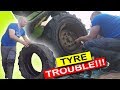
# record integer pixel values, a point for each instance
(95, 13)
(22, 21)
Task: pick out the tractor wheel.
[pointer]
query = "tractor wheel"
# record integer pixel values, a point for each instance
(25, 66)
(61, 32)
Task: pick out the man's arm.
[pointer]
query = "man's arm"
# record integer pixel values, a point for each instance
(14, 37)
(94, 31)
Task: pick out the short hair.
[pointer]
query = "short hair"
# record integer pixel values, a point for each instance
(21, 18)
(95, 13)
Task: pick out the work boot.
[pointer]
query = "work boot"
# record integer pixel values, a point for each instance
(4, 64)
(10, 67)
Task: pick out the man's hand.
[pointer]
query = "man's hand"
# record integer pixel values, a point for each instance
(25, 44)
(77, 41)
(26, 40)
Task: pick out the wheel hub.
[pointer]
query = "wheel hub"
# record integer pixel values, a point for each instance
(67, 39)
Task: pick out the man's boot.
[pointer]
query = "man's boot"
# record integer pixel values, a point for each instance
(10, 67)
(4, 64)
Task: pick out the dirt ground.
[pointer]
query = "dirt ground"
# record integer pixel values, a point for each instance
(110, 76)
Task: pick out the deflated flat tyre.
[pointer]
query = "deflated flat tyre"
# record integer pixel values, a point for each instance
(25, 66)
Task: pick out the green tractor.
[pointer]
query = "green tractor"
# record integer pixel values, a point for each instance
(58, 34)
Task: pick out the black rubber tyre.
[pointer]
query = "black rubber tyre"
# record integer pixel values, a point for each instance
(25, 66)
(51, 34)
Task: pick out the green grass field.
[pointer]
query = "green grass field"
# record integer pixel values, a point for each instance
(7, 17)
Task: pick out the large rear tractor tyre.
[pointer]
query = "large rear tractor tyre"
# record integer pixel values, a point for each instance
(61, 32)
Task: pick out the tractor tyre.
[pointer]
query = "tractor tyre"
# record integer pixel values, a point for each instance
(61, 32)
(25, 66)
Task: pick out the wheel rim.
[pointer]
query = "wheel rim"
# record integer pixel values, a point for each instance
(67, 35)
(67, 40)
